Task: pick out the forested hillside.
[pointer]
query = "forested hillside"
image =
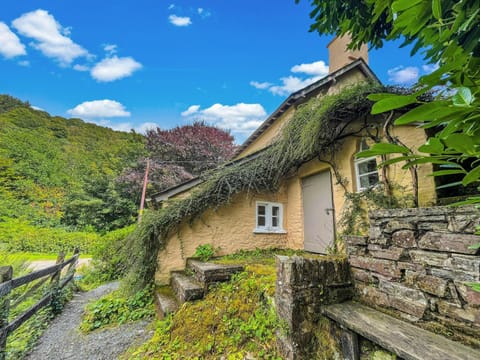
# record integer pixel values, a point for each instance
(57, 172)
(64, 181)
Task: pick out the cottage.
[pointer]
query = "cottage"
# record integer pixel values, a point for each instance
(305, 209)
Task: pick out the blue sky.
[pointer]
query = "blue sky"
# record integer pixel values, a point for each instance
(137, 64)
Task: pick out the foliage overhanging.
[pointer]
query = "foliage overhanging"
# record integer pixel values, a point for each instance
(315, 131)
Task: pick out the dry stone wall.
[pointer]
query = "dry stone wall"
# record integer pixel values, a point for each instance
(416, 263)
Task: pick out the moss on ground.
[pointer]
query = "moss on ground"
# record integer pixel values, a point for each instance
(234, 320)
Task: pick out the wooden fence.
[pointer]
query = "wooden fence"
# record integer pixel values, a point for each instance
(7, 285)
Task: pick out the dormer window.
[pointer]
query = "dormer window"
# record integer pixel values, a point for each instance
(366, 170)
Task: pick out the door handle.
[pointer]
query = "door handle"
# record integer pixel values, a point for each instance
(328, 210)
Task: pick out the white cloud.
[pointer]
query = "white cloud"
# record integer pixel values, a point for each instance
(10, 44)
(79, 67)
(24, 63)
(260, 85)
(403, 75)
(240, 118)
(51, 38)
(191, 110)
(36, 108)
(114, 68)
(291, 84)
(171, 6)
(99, 109)
(200, 11)
(110, 49)
(180, 20)
(317, 68)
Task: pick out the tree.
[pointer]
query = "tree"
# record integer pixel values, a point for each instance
(179, 154)
(447, 32)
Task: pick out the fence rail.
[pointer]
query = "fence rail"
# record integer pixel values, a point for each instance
(8, 284)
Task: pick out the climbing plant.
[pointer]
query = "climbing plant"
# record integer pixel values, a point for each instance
(316, 131)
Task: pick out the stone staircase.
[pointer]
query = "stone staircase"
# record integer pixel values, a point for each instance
(191, 284)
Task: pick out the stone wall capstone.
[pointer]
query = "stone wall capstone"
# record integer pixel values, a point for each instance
(417, 263)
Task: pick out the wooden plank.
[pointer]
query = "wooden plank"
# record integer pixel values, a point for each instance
(5, 288)
(406, 340)
(22, 280)
(14, 325)
(65, 281)
(6, 273)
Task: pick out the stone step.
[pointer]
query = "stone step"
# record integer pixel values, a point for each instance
(208, 273)
(185, 287)
(165, 301)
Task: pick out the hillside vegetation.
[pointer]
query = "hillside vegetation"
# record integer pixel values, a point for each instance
(61, 173)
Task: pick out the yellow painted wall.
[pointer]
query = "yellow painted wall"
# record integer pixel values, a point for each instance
(230, 228)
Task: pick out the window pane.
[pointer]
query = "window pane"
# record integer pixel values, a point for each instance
(373, 179)
(275, 210)
(261, 220)
(367, 166)
(274, 221)
(367, 181)
(261, 209)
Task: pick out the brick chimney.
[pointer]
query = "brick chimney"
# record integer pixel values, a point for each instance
(339, 55)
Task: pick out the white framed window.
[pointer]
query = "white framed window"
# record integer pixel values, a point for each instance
(269, 217)
(366, 170)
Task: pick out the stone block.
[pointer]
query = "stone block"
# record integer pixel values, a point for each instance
(355, 239)
(356, 250)
(456, 275)
(395, 225)
(405, 299)
(471, 297)
(380, 266)
(404, 265)
(390, 253)
(466, 314)
(432, 285)
(463, 223)
(372, 296)
(470, 264)
(374, 232)
(455, 243)
(432, 226)
(404, 238)
(428, 257)
(363, 276)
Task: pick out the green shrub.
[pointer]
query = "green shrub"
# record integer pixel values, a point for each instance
(19, 235)
(204, 252)
(116, 308)
(109, 259)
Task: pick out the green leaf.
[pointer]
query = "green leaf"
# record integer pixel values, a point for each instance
(426, 112)
(461, 143)
(475, 246)
(447, 172)
(378, 96)
(392, 102)
(382, 149)
(472, 176)
(401, 5)
(437, 9)
(463, 97)
(432, 146)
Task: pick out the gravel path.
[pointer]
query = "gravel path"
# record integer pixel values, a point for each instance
(63, 339)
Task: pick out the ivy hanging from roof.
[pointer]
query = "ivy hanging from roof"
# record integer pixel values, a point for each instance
(315, 131)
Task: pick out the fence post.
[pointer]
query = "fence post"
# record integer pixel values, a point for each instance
(54, 284)
(6, 273)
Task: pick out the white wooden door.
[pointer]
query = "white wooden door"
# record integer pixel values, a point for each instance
(318, 212)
